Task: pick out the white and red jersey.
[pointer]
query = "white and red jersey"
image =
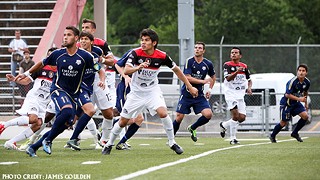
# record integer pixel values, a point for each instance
(111, 75)
(236, 88)
(146, 79)
(42, 83)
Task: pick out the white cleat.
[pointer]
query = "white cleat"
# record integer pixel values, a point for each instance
(98, 146)
(10, 146)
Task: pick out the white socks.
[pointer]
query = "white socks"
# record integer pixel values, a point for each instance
(233, 129)
(18, 121)
(106, 128)
(22, 136)
(114, 133)
(168, 127)
(93, 130)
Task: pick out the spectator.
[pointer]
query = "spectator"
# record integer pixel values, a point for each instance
(25, 65)
(16, 47)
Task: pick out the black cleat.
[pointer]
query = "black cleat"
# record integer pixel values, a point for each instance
(193, 133)
(106, 150)
(297, 137)
(176, 148)
(273, 139)
(234, 142)
(222, 130)
(73, 143)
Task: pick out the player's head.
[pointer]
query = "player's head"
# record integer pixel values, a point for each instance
(302, 70)
(86, 40)
(51, 50)
(149, 34)
(70, 36)
(235, 53)
(199, 48)
(89, 26)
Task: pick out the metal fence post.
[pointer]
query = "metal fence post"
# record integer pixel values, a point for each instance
(267, 105)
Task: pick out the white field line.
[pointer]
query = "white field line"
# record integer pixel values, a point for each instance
(155, 168)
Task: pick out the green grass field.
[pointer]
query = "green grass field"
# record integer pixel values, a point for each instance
(209, 158)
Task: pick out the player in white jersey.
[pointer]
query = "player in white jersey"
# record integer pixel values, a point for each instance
(236, 83)
(34, 107)
(144, 63)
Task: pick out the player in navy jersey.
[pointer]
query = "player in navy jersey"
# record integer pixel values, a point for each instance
(33, 109)
(196, 70)
(291, 103)
(71, 64)
(90, 78)
(236, 83)
(144, 63)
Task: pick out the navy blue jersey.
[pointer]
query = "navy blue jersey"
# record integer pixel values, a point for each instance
(89, 75)
(296, 88)
(198, 71)
(70, 68)
(122, 62)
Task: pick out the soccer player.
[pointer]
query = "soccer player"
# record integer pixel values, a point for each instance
(144, 63)
(291, 103)
(236, 82)
(92, 83)
(33, 109)
(71, 64)
(123, 90)
(101, 97)
(196, 70)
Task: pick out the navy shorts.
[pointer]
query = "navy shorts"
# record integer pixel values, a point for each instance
(62, 98)
(288, 111)
(122, 92)
(198, 104)
(83, 98)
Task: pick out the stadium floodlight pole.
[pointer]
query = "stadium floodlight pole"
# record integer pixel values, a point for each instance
(185, 30)
(298, 51)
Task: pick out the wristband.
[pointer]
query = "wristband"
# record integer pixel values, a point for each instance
(27, 73)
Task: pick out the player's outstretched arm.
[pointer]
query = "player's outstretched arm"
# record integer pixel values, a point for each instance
(24, 81)
(193, 91)
(33, 69)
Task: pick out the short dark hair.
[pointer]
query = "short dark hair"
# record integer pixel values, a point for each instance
(93, 24)
(238, 49)
(86, 34)
(303, 66)
(52, 49)
(202, 43)
(75, 31)
(152, 34)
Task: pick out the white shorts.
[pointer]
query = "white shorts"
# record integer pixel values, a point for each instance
(231, 103)
(138, 102)
(101, 97)
(33, 106)
(112, 94)
(51, 107)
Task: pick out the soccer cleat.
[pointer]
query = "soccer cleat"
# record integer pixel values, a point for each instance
(122, 146)
(106, 150)
(234, 142)
(25, 145)
(10, 146)
(127, 144)
(31, 152)
(222, 130)
(176, 148)
(297, 137)
(46, 146)
(2, 128)
(273, 139)
(98, 146)
(193, 133)
(74, 144)
(102, 142)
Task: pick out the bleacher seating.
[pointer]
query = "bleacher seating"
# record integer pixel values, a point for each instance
(31, 17)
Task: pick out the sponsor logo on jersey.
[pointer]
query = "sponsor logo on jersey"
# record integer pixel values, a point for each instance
(78, 62)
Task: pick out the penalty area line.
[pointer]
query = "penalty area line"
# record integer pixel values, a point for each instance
(155, 168)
